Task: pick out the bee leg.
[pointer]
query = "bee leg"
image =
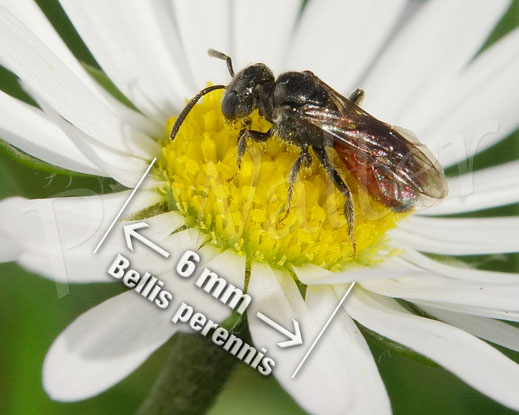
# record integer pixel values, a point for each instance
(255, 135)
(349, 211)
(305, 157)
(242, 143)
(357, 96)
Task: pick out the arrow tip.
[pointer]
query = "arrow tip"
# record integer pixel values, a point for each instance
(127, 236)
(130, 230)
(296, 338)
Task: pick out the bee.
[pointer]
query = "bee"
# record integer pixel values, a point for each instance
(388, 161)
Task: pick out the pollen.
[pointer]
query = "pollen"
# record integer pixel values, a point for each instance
(245, 209)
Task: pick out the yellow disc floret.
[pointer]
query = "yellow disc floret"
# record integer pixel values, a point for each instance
(244, 209)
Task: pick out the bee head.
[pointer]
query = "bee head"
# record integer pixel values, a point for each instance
(242, 95)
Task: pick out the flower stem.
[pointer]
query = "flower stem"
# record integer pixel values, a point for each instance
(192, 377)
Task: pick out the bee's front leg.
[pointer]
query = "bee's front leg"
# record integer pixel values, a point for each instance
(255, 135)
(242, 144)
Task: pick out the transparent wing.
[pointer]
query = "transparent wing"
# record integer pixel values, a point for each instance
(389, 161)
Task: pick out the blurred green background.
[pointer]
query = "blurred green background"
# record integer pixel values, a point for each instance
(31, 315)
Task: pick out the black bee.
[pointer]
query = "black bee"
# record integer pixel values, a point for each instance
(387, 160)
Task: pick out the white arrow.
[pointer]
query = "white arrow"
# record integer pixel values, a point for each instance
(131, 231)
(295, 338)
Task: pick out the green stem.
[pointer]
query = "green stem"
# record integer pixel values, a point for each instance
(192, 377)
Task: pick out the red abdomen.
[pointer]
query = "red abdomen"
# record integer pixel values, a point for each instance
(377, 179)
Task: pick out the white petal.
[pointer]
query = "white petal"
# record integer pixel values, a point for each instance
(463, 273)
(103, 346)
(480, 108)
(473, 311)
(441, 38)
(312, 274)
(356, 29)
(340, 376)
(109, 341)
(28, 12)
(474, 361)
(445, 290)
(212, 30)
(459, 236)
(143, 57)
(482, 189)
(494, 331)
(56, 237)
(123, 167)
(49, 77)
(27, 128)
(254, 38)
(31, 15)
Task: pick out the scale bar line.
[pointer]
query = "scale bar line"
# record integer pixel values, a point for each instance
(322, 330)
(124, 206)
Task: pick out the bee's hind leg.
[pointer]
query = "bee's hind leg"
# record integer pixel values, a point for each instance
(305, 157)
(349, 210)
(357, 96)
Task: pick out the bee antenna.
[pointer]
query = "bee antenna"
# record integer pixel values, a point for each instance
(216, 54)
(182, 116)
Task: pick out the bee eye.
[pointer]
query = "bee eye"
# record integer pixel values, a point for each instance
(229, 103)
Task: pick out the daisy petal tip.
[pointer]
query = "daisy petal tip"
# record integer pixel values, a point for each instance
(57, 383)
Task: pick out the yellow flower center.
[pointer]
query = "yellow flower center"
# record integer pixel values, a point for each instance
(243, 209)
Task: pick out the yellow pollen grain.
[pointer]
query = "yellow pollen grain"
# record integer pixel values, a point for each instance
(242, 209)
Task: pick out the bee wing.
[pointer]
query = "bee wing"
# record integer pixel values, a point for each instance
(435, 186)
(389, 161)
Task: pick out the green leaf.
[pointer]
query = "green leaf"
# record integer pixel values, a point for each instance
(150, 211)
(107, 84)
(34, 163)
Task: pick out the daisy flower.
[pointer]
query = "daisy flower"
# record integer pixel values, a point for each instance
(420, 67)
